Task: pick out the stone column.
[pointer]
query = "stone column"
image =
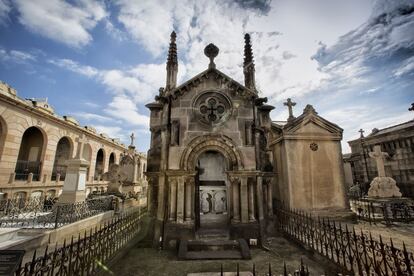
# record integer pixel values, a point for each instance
(173, 199)
(236, 203)
(161, 199)
(259, 194)
(269, 198)
(244, 203)
(180, 200)
(251, 202)
(188, 198)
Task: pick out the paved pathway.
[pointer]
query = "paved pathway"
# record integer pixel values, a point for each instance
(149, 261)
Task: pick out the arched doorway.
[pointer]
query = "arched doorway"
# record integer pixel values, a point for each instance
(63, 153)
(211, 197)
(111, 160)
(99, 165)
(30, 154)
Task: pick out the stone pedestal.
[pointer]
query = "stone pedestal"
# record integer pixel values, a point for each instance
(75, 181)
(383, 187)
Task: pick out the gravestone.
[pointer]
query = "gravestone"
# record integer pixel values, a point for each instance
(382, 186)
(116, 177)
(74, 187)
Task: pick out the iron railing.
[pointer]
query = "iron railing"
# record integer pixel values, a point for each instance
(24, 168)
(387, 212)
(358, 254)
(89, 252)
(302, 270)
(41, 212)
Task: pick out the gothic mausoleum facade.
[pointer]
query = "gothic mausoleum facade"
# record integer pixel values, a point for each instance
(217, 161)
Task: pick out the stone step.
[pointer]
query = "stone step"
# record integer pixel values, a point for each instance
(213, 249)
(213, 234)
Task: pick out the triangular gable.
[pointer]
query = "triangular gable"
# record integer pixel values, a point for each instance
(233, 85)
(319, 125)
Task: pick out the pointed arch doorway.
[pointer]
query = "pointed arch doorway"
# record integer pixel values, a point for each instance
(211, 196)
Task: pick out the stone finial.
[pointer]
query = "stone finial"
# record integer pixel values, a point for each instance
(290, 104)
(248, 53)
(172, 64)
(361, 131)
(211, 51)
(309, 109)
(172, 51)
(411, 108)
(248, 64)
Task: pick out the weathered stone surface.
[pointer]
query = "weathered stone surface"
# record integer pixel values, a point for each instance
(384, 187)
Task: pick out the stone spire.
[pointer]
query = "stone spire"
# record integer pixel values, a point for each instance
(248, 64)
(172, 63)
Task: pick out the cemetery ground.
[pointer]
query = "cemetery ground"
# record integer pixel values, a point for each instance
(142, 259)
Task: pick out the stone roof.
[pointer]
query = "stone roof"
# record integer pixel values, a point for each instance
(390, 129)
(231, 83)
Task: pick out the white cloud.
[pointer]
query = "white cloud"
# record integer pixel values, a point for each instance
(92, 117)
(406, 67)
(122, 107)
(16, 56)
(61, 21)
(5, 8)
(74, 66)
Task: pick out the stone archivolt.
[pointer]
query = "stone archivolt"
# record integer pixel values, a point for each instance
(216, 142)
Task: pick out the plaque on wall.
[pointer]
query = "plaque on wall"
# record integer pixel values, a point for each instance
(10, 261)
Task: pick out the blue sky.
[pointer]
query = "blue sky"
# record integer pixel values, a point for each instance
(102, 61)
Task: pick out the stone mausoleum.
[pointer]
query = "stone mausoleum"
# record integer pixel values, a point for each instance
(217, 161)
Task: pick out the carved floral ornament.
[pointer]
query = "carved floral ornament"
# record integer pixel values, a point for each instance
(313, 146)
(212, 108)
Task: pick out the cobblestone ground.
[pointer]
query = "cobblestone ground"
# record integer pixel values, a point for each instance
(148, 261)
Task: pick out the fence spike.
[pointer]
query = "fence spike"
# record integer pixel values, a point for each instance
(254, 269)
(270, 269)
(237, 270)
(284, 269)
(221, 270)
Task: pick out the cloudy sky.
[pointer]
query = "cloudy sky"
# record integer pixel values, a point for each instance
(102, 61)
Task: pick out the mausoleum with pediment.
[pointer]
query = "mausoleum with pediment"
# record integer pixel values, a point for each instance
(217, 161)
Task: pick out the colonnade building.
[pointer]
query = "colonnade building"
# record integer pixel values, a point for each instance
(35, 144)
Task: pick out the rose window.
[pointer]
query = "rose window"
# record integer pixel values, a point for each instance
(213, 108)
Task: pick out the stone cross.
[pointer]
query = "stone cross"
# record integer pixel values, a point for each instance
(132, 139)
(81, 143)
(379, 156)
(290, 104)
(362, 133)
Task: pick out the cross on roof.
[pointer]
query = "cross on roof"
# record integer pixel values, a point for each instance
(379, 157)
(290, 106)
(362, 132)
(81, 143)
(132, 139)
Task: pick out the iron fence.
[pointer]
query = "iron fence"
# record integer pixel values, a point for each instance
(86, 254)
(387, 212)
(355, 253)
(24, 168)
(43, 212)
(302, 270)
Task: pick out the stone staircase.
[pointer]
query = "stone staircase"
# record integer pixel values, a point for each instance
(213, 244)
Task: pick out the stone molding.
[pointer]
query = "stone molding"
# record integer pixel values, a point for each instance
(220, 143)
